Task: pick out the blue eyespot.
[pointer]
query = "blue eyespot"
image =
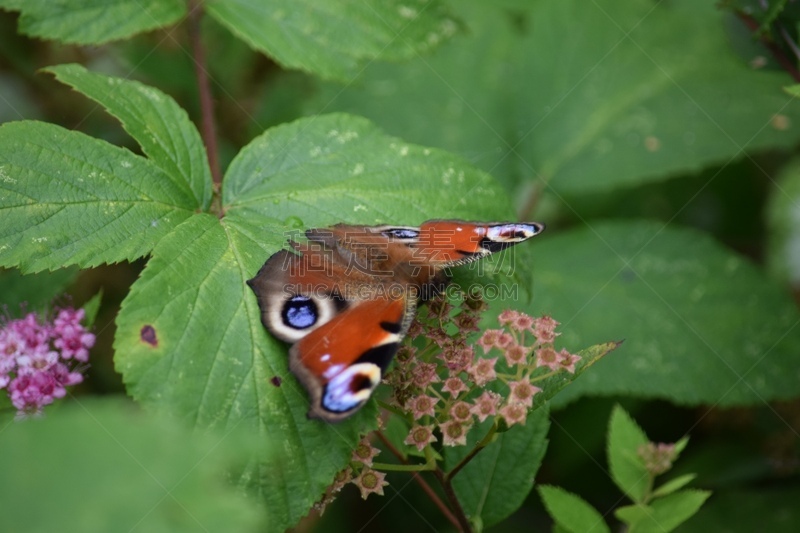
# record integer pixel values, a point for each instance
(300, 312)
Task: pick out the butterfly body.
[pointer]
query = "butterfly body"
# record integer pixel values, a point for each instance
(346, 298)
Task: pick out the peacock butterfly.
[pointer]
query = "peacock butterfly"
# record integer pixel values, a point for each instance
(346, 298)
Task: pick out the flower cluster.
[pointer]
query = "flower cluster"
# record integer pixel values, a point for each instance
(360, 473)
(447, 397)
(38, 360)
(657, 457)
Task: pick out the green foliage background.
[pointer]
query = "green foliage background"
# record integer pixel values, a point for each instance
(642, 133)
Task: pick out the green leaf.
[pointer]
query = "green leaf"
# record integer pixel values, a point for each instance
(701, 324)
(101, 466)
(93, 21)
(633, 514)
(337, 38)
(571, 512)
(793, 90)
(335, 168)
(497, 480)
(66, 199)
(783, 211)
(554, 384)
(158, 124)
(189, 335)
(680, 446)
(190, 341)
(35, 291)
(663, 514)
(627, 469)
(92, 307)
(772, 14)
(622, 103)
(674, 484)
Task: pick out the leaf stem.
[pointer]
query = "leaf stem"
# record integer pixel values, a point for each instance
(786, 63)
(484, 442)
(208, 125)
(420, 481)
(446, 479)
(463, 521)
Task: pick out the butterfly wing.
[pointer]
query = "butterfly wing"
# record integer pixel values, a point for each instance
(347, 298)
(297, 293)
(341, 362)
(454, 242)
(344, 331)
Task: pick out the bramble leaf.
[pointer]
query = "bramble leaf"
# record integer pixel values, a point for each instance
(337, 38)
(625, 438)
(622, 102)
(571, 512)
(68, 199)
(497, 480)
(155, 121)
(93, 21)
(189, 335)
(693, 314)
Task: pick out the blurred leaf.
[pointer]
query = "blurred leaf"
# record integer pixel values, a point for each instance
(69, 199)
(783, 211)
(793, 90)
(631, 515)
(674, 484)
(93, 21)
(155, 121)
(92, 307)
(680, 446)
(497, 480)
(663, 514)
(189, 335)
(604, 95)
(37, 291)
(701, 324)
(101, 466)
(627, 469)
(571, 512)
(337, 38)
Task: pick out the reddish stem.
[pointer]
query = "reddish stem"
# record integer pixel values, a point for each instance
(422, 483)
(208, 126)
(786, 63)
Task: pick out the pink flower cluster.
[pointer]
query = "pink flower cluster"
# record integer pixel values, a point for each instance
(360, 473)
(657, 457)
(455, 394)
(38, 360)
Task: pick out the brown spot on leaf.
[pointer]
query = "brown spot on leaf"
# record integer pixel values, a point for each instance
(276, 380)
(148, 335)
